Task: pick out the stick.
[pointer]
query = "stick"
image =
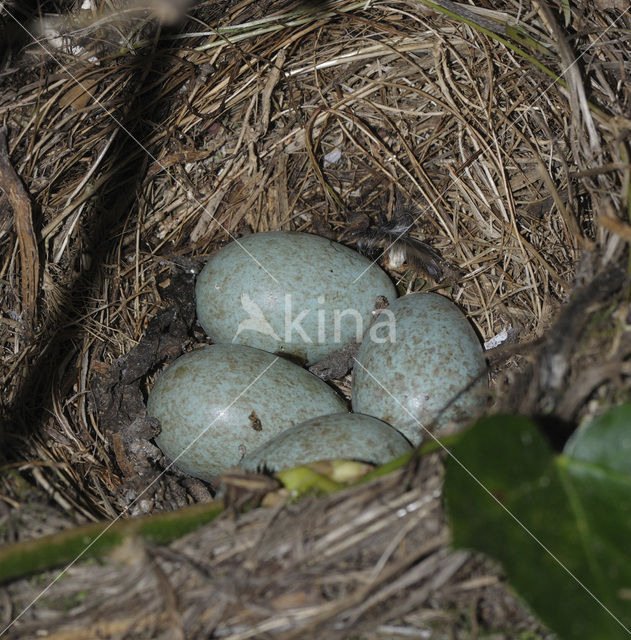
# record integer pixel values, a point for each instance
(20, 201)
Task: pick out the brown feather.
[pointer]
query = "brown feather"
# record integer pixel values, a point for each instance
(421, 257)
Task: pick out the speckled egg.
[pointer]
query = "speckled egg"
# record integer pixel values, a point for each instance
(220, 402)
(420, 365)
(350, 436)
(288, 292)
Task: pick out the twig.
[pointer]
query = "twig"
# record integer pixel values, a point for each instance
(20, 201)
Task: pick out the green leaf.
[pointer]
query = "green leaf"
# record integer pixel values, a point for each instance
(561, 527)
(99, 538)
(606, 441)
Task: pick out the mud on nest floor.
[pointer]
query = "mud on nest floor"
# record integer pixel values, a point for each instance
(190, 134)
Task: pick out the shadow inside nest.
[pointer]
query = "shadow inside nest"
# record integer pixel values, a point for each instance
(55, 338)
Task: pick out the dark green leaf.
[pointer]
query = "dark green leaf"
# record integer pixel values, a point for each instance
(561, 528)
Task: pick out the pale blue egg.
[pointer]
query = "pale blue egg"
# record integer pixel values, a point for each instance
(218, 403)
(349, 436)
(291, 293)
(421, 367)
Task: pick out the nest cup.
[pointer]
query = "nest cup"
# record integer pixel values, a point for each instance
(153, 146)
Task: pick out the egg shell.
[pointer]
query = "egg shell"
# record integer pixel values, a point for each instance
(288, 292)
(350, 436)
(423, 357)
(227, 400)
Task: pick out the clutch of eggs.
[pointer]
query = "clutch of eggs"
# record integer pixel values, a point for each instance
(420, 365)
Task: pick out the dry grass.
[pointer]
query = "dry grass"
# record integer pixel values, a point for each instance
(228, 124)
(360, 562)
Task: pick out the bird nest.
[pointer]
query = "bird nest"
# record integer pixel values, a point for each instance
(138, 141)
